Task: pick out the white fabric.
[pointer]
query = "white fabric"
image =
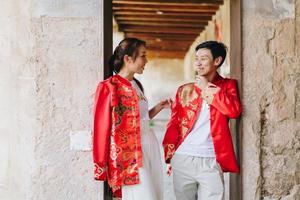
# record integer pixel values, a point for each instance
(144, 109)
(197, 178)
(151, 177)
(199, 142)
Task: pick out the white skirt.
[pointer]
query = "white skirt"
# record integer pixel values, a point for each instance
(151, 177)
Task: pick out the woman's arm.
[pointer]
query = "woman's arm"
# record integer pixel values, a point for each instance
(158, 107)
(101, 131)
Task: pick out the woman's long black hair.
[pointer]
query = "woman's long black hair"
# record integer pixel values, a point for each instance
(130, 47)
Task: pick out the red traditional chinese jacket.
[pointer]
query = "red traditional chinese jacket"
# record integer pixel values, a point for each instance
(117, 149)
(224, 104)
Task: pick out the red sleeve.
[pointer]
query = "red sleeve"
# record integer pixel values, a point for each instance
(227, 100)
(102, 131)
(171, 137)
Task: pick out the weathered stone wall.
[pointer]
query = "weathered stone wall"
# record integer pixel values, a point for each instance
(17, 102)
(51, 62)
(271, 98)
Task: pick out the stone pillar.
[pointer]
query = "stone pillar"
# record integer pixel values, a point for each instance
(271, 82)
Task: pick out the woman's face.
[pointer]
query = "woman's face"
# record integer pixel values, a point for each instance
(138, 65)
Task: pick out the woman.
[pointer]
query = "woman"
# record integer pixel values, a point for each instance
(125, 150)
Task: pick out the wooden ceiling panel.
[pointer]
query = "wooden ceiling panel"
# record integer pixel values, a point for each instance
(163, 24)
(149, 29)
(211, 11)
(172, 43)
(166, 19)
(161, 36)
(173, 2)
(152, 53)
(168, 26)
(167, 14)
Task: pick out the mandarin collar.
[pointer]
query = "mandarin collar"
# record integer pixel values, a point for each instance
(123, 80)
(217, 78)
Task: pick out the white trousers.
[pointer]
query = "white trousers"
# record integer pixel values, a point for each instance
(197, 178)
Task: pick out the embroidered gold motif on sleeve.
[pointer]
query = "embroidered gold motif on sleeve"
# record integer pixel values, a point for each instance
(170, 150)
(184, 131)
(187, 95)
(98, 171)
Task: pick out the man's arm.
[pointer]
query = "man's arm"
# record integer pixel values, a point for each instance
(172, 132)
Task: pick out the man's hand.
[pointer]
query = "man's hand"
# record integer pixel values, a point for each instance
(209, 91)
(201, 81)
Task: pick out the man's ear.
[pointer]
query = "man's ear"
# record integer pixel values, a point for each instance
(218, 61)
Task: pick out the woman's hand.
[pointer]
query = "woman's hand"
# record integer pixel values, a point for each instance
(167, 103)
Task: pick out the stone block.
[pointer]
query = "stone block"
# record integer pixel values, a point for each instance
(81, 140)
(67, 8)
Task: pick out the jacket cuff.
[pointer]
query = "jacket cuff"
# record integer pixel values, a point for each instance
(100, 172)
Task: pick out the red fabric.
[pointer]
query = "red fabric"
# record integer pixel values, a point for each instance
(187, 105)
(117, 148)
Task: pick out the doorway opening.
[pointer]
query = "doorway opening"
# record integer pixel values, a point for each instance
(171, 30)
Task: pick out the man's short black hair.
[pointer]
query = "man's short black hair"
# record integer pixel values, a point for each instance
(216, 48)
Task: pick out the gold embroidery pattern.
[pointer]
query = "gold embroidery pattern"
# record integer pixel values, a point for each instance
(190, 114)
(98, 171)
(184, 131)
(125, 142)
(189, 98)
(120, 109)
(187, 95)
(114, 151)
(115, 188)
(170, 148)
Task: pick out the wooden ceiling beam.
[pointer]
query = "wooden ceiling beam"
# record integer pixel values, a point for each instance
(161, 9)
(159, 24)
(169, 44)
(203, 15)
(167, 48)
(147, 29)
(164, 5)
(162, 19)
(159, 36)
(169, 2)
(152, 53)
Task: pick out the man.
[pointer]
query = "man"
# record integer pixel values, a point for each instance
(198, 142)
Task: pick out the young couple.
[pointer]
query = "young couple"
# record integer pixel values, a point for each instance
(197, 143)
